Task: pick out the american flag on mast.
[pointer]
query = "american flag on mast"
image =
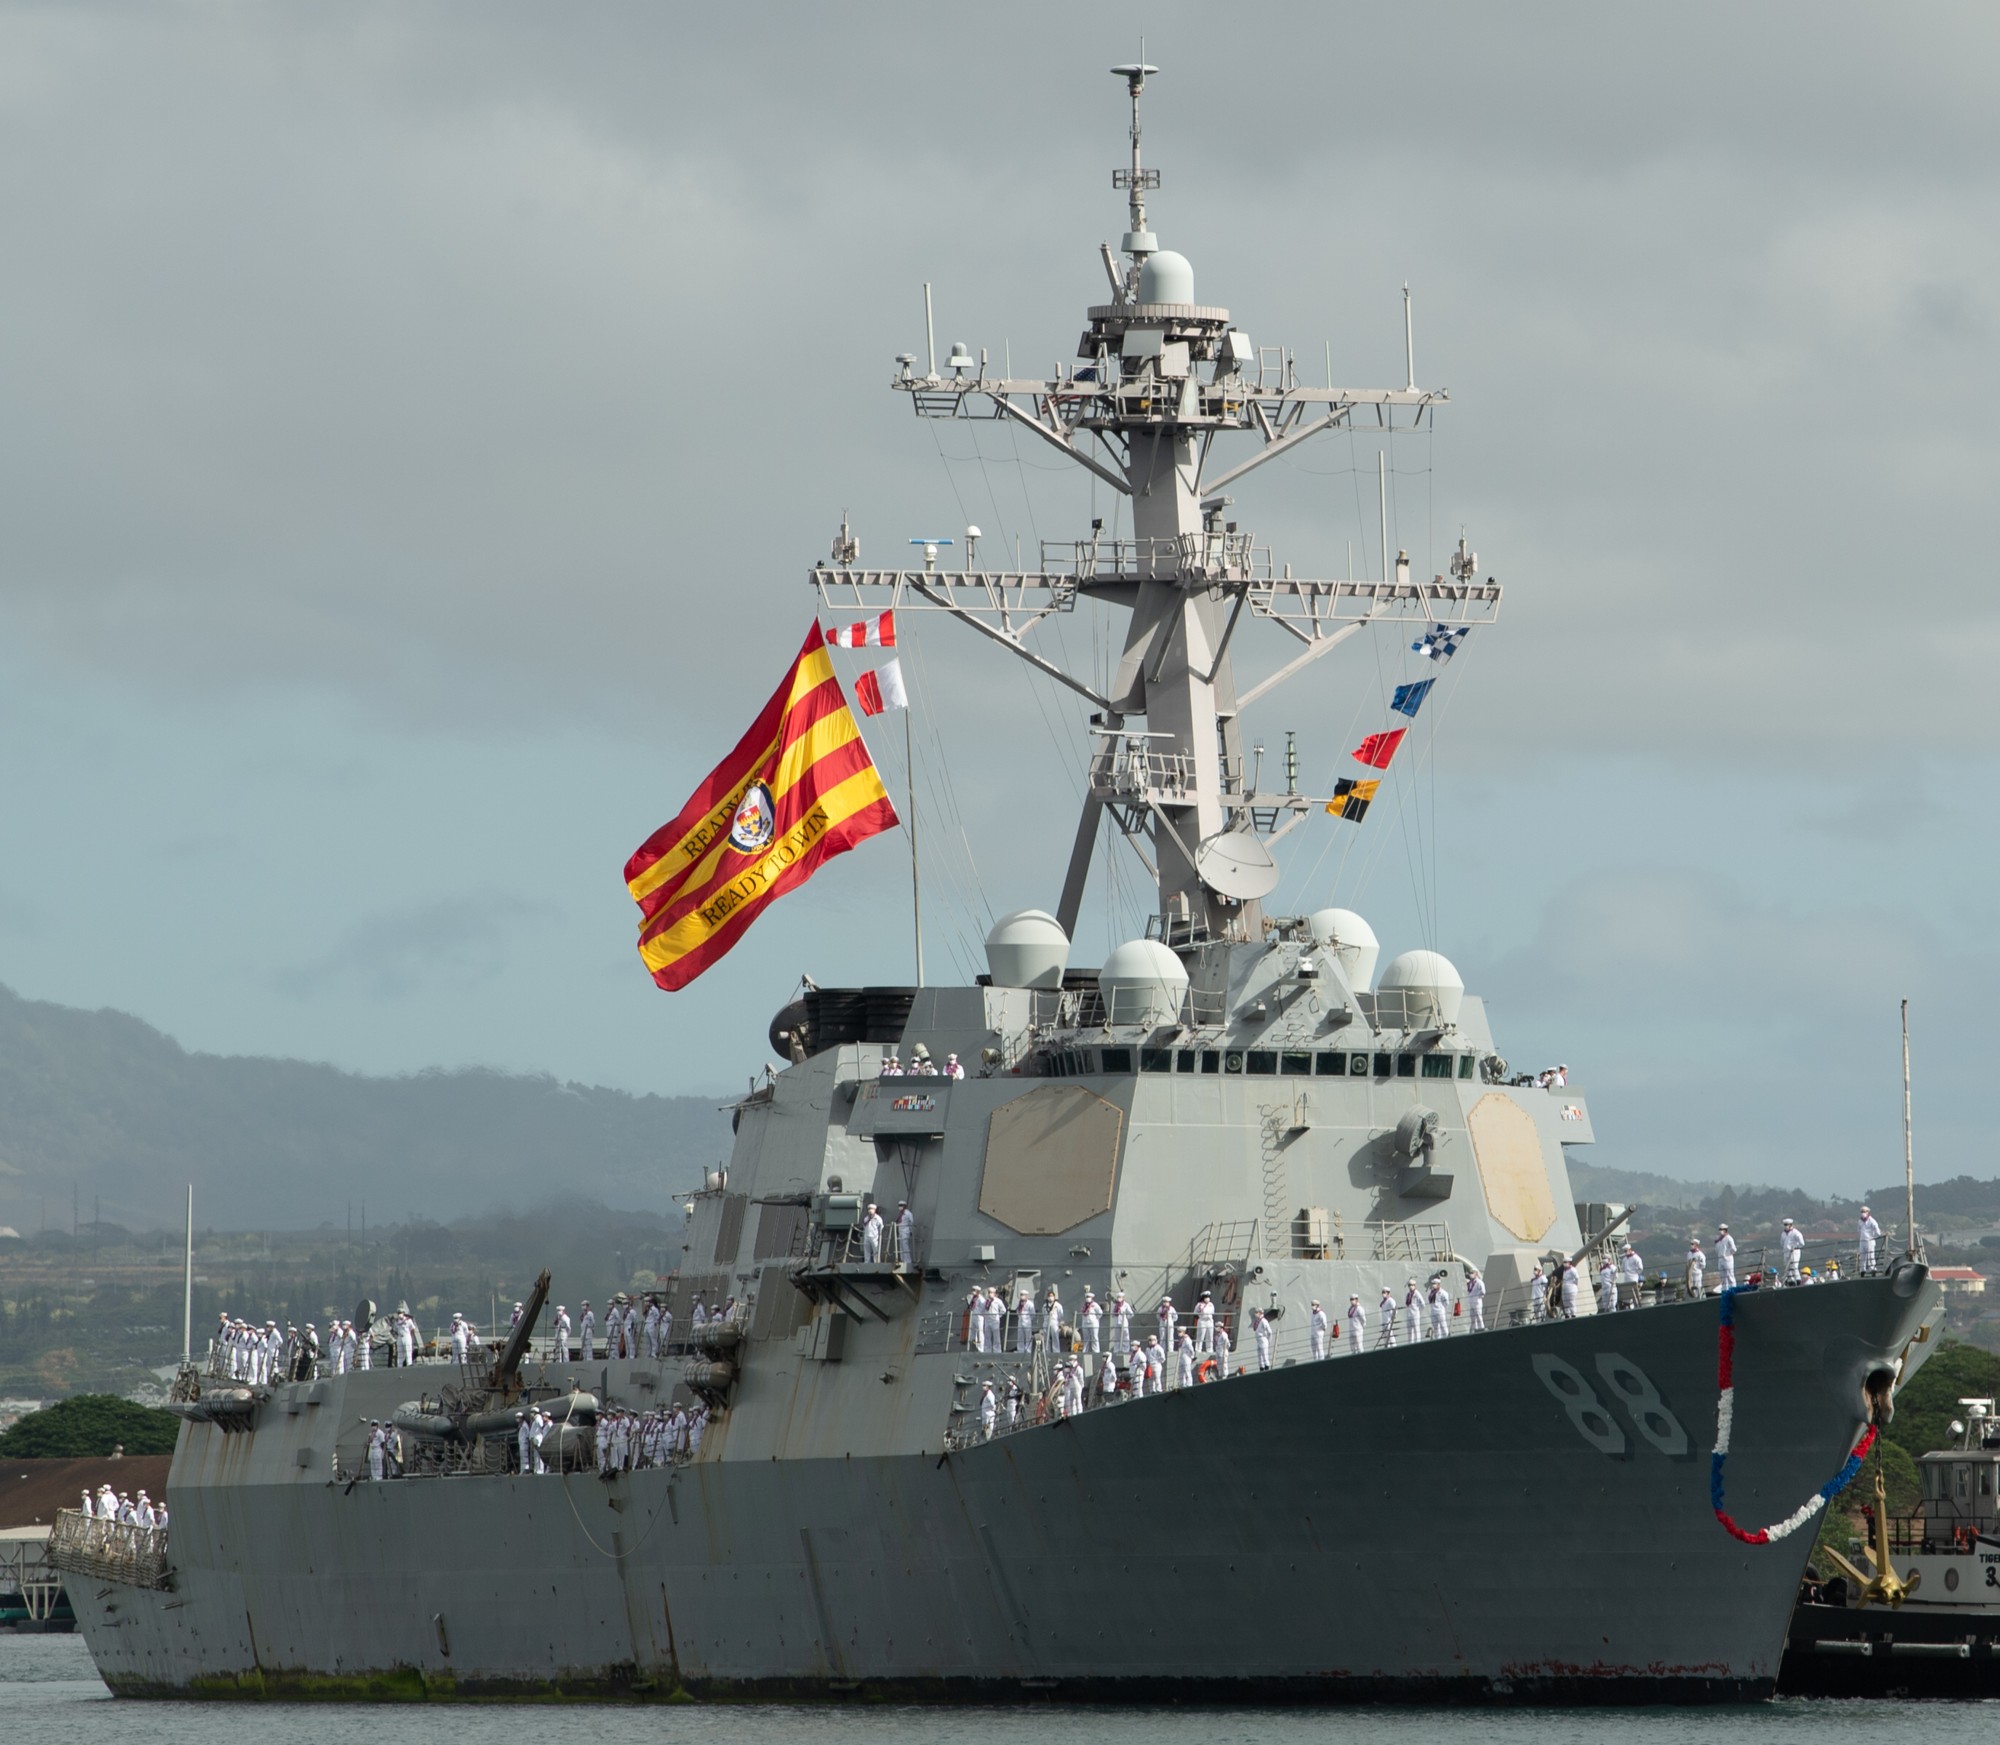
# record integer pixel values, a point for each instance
(869, 633)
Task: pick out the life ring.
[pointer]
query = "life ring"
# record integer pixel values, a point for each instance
(1205, 1370)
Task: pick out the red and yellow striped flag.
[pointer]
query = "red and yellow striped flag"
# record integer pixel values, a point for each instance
(798, 789)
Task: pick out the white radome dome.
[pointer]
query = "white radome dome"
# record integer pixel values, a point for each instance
(1352, 942)
(1027, 949)
(1142, 983)
(1166, 277)
(1431, 987)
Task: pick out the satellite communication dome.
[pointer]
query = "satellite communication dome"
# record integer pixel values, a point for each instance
(1352, 942)
(1431, 989)
(1166, 278)
(1027, 949)
(1142, 983)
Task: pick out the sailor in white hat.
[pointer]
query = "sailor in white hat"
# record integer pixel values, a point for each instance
(1725, 1257)
(1697, 1267)
(1204, 1323)
(1090, 1319)
(1385, 1335)
(871, 1234)
(1320, 1327)
(1357, 1323)
(906, 1234)
(1263, 1332)
(1475, 1294)
(1792, 1242)
(1869, 1233)
(952, 1069)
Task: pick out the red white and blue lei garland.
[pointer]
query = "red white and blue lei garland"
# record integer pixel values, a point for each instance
(1725, 1410)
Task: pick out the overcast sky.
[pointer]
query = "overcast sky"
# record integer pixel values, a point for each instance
(418, 421)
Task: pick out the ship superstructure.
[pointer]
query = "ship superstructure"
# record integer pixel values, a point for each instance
(1237, 1107)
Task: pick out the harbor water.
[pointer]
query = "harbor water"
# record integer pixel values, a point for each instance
(49, 1693)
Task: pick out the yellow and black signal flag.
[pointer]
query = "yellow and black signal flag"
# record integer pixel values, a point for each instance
(1351, 799)
(798, 789)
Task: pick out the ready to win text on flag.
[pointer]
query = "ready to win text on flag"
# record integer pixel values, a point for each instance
(798, 789)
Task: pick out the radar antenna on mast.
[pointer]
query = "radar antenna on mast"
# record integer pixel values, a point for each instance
(1139, 241)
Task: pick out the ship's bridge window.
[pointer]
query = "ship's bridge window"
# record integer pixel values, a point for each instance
(1117, 1060)
(1299, 1063)
(1332, 1066)
(1156, 1060)
(1406, 1066)
(1465, 1066)
(1437, 1066)
(1383, 1066)
(1264, 1061)
(1211, 1060)
(1184, 1060)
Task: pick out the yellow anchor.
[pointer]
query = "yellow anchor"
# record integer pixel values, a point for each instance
(1885, 1586)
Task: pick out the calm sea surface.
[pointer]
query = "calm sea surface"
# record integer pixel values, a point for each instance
(50, 1696)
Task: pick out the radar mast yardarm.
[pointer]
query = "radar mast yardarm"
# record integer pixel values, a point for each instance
(1159, 379)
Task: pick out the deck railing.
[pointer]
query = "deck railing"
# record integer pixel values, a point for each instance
(109, 1550)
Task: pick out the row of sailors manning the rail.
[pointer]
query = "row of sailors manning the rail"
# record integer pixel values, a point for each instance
(106, 1504)
(1426, 1311)
(624, 1441)
(261, 1355)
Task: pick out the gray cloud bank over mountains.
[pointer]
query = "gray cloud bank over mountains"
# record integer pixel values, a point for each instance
(419, 419)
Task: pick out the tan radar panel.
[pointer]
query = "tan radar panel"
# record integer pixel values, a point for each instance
(1051, 1158)
(1512, 1170)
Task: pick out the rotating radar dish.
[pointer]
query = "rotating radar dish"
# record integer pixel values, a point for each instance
(1233, 863)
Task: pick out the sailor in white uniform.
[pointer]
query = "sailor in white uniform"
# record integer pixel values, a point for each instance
(1024, 1324)
(1262, 1331)
(1168, 1317)
(906, 1234)
(1385, 1334)
(649, 1329)
(871, 1235)
(1869, 1232)
(1439, 1302)
(989, 1409)
(975, 1320)
(1475, 1294)
(1052, 1320)
(1634, 1270)
(1121, 1325)
(1320, 1327)
(1697, 1267)
(1107, 1381)
(1222, 1350)
(1792, 1243)
(1204, 1323)
(1413, 1312)
(1184, 1359)
(1156, 1365)
(1357, 1324)
(1725, 1257)
(1572, 1288)
(1538, 1294)
(562, 1334)
(378, 1451)
(1607, 1287)
(1090, 1320)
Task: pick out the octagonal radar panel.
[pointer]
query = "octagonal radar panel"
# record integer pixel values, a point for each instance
(1234, 863)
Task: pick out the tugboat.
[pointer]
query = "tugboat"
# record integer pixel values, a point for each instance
(1923, 1620)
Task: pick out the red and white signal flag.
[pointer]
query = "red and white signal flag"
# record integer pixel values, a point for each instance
(869, 633)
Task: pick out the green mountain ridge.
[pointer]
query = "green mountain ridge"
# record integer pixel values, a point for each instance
(99, 1109)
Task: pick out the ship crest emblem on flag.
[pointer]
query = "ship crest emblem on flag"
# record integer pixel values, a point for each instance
(756, 821)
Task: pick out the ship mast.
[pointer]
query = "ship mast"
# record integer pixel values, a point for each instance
(1159, 379)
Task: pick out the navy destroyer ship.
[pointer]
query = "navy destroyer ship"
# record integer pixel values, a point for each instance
(1239, 1108)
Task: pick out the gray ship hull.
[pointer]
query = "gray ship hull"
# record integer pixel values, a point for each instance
(1439, 1523)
